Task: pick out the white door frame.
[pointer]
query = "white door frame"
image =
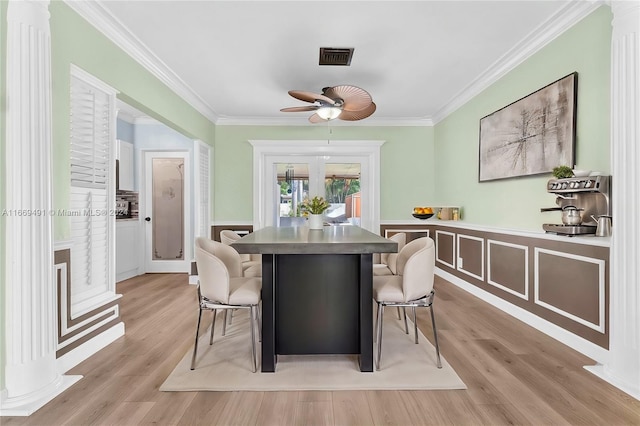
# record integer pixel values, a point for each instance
(265, 150)
(151, 266)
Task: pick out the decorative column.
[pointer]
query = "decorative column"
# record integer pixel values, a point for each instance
(623, 367)
(31, 376)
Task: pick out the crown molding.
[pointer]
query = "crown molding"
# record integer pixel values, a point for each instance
(112, 28)
(94, 13)
(303, 121)
(565, 18)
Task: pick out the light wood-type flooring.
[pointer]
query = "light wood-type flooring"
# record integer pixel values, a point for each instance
(514, 375)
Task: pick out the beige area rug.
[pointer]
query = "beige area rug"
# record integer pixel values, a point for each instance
(226, 365)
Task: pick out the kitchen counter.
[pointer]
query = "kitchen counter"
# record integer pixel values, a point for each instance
(316, 290)
(302, 240)
(589, 239)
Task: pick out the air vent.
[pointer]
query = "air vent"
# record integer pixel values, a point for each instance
(336, 56)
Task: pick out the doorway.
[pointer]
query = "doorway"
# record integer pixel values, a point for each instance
(167, 211)
(332, 169)
(335, 178)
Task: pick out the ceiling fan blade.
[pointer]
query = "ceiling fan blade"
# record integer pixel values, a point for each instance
(358, 115)
(311, 97)
(300, 109)
(354, 98)
(315, 118)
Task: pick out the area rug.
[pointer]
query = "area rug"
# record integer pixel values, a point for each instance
(226, 365)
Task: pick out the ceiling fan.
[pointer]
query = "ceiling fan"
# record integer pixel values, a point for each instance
(345, 102)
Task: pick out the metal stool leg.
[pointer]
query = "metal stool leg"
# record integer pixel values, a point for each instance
(213, 326)
(435, 336)
(253, 337)
(375, 327)
(224, 323)
(415, 322)
(380, 315)
(406, 327)
(195, 346)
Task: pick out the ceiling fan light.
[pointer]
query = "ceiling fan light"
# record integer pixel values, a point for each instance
(328, 112)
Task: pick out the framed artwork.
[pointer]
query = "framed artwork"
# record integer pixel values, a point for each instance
(532, 135)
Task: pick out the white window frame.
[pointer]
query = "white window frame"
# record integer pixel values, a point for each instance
(262, 188)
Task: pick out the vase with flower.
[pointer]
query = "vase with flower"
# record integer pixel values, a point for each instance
(314, 209)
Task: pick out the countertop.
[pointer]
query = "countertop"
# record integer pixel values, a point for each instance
(589, 239)
(302, 240)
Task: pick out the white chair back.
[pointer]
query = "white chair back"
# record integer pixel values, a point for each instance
(228, 237)
(391, 259)
(212, 276)
(226, 254)
(416, 264)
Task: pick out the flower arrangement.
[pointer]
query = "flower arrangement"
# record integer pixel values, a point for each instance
(317, 205)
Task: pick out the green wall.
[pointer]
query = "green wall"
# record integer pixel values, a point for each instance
(406, 165)
(75, 41)
(515, 203)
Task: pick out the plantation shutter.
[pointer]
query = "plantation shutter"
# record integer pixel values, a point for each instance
(203, 189)
(92, 138)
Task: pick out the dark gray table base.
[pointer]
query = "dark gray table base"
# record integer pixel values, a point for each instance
(317, 304)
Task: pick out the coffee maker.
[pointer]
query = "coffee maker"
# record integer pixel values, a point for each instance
(589, 195)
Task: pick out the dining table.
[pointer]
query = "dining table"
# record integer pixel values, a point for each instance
(317, 289)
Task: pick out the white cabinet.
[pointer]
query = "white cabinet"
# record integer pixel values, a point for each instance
(128, 246)
(124, 153)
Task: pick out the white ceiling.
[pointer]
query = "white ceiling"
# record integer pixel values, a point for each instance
(236, 60)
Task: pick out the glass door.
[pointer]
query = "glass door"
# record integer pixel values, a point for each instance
(342, 190)
(292, 188)
(337, 178)
(166, 212)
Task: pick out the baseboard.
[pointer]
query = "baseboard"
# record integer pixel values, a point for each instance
(585, 347)
(600, 371)
(74, 357)
(127, 274)
(25, 406)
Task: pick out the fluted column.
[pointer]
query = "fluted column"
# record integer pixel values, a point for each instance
(623, 366)
(31, 376)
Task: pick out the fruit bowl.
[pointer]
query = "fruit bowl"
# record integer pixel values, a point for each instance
(422, 216)
(581, 173)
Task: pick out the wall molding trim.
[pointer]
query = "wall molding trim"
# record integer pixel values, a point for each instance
(113, 29)
(574, 341)
(564, 19)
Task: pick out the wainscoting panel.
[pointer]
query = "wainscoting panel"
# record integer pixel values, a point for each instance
(508, 267)
(240, 229)
(471, 256)
(412, 233)
(445, 248)
(571, 285)
(73, 332)
(562, 280)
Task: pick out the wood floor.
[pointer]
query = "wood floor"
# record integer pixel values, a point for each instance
(514, 375)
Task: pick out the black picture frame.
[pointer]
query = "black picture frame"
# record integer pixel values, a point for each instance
(532, 135)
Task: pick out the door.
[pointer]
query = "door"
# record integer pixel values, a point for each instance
(337, 178)
(166, 211)
(269, 155)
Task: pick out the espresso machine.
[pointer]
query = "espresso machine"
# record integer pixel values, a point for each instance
(590, 196)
